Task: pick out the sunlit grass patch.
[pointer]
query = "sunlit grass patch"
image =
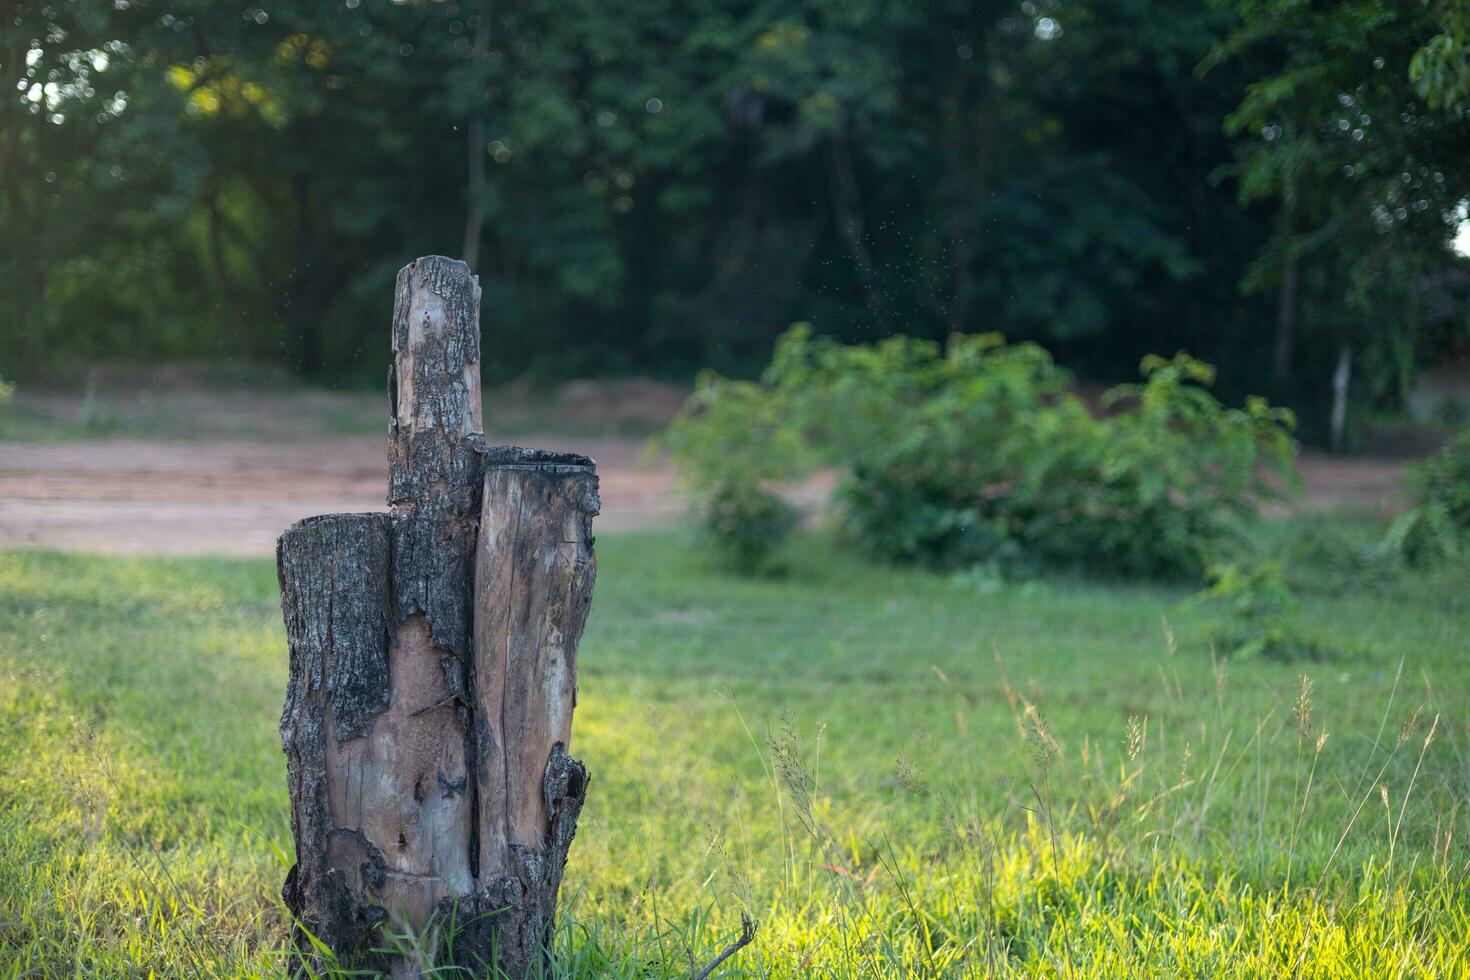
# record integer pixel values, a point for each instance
(892, 773)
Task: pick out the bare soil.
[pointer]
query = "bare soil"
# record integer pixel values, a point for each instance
(137, 496)
(188, 471)
(124, 463)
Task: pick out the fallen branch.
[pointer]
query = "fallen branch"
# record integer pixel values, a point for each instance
(747, 934)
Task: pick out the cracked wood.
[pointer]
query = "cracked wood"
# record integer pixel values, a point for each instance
(433, 672)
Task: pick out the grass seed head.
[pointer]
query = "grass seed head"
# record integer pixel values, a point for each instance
(1411, 725)
(1137, 737)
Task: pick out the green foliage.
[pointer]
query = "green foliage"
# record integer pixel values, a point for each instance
(735, 445)
(187, 193)
(1443, 481)
(1257, 614)
(668, 183)
(1350, 131)
(922, 434)
(976, 452)
(1323, 557)
(1155, 488)
(733, 431)
(746, 524)
(1437, 525)
(1440, 70)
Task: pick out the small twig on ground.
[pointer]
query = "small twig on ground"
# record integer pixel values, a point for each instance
(747, 934)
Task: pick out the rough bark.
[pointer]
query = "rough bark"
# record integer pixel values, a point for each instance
(334, 596)
(434, 391)
(386, 730)
(375, 727)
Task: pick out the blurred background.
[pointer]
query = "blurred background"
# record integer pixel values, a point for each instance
(203, 205)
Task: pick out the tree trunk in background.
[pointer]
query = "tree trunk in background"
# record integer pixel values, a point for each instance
(1286, 305)
(307, 285)
(971, 153)
(1286, 321)
(229, 297)
(1341, 376)
(475, 191)
(433, 673)
(1406, 348)
(847, 212)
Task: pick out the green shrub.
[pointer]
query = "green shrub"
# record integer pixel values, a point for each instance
(1256, 614)
(1435, 528)
(925, 438)
(1157, 488)
(1324, 557)
(975, 452)
(1444, 480)
(735, 446)
(746, 523)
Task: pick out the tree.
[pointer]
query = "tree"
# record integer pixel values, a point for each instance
(1350, 130)
(655, 186)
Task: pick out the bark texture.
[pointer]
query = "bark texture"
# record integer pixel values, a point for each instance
(334, 575)
(374, 730)
(434, 391)
(432, 673)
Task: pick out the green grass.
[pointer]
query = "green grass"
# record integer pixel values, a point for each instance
(895, 773)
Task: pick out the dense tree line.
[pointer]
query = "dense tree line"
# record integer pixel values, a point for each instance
(657, 185)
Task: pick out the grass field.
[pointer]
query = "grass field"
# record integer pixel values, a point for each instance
(895, 773)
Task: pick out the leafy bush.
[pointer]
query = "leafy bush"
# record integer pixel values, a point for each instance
(1156, 488)
(1257, 614)
(975, 451)
(926, 438)
(1327, 558)
(735, 446)
(746, 524)
(1436, 526)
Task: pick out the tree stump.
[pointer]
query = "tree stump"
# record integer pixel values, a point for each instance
(433, 675)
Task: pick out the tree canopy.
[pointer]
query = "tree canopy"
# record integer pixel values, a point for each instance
(654, 186)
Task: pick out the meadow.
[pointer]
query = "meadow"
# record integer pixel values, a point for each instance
(893, 773)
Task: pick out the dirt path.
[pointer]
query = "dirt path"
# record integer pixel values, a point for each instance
(1354, 483)
(130, 496)
(233, 497)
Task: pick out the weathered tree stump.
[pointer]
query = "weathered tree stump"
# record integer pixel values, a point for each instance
(433, 673)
